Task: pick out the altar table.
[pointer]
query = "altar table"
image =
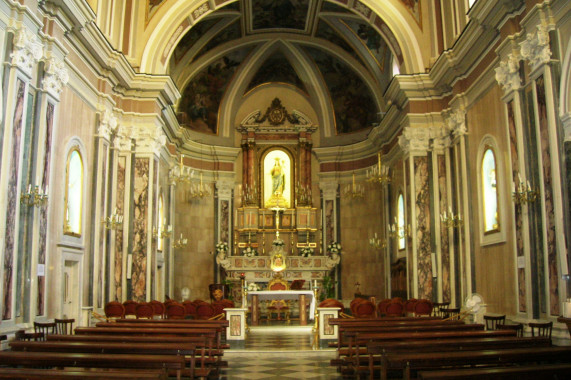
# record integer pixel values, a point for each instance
(255, 297)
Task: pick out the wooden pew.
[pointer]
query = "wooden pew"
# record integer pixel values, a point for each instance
(523, 372)
(341, 321)
(408, 363)
(185, 349)
(79, 374)
(61, 359)
(220, 322)
(375, 349)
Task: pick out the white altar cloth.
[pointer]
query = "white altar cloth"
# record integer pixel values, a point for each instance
(285, 295)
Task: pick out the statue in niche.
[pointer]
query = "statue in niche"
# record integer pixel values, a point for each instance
(278, 178)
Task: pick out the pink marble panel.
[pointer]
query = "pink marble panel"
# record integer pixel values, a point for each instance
(12, 200)
(120, 205)
(444, 236)
(422, 215)
(140, 230)
(329, 222)
(225, 220)
(517, 207)
(548, 198)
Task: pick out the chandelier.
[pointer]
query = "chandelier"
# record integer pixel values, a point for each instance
(378, 174)
(181, 173)
(198, 189)
(354, 190)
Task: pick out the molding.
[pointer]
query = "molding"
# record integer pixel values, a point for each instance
(56, 76)
(566, 120)
(329, 189)
(224, 188)
(27, 50)
(535, 48)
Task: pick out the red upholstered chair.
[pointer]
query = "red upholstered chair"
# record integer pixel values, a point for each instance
(205, 311)
(422, 308)
(409, 306)
(365, 309)
(189, 308)
(354, 304)
(144, 311)
(382, 307)
(175, 310)
(114, 310)
(395, 308)
(220, 305)
(158, 309)
(331, 302)
(130, 308)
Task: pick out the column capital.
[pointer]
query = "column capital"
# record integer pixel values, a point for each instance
(27, 50)
(224, 188)
(535, 48)
(56, 76)
(149, 139)
(329, 189)
(123, 141)
(107, 125)
(415, 139)
(507, 74)
(455, 121)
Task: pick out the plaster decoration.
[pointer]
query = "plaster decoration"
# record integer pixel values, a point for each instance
(27, 50)
(224, 189)
(456, 122)
(202, 9)
(535, 48)
(250, 120)
(301, 118)
(56, 76)
(107, 125)
(507, 74)
(440, 137)
(362, 8)
(415, 139)
(332, 261)
(329, 189)
(149, 139)
(123, 140)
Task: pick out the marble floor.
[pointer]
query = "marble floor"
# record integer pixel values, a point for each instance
(279, 352)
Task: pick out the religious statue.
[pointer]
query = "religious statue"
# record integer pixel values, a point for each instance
(278, 177)
(277, 260)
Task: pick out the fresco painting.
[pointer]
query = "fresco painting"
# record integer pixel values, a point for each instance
(277, 69)
(288, 14)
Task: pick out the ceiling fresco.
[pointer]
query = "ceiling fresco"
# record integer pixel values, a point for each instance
(346, 59)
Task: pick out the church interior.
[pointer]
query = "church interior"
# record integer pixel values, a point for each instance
(341, 150)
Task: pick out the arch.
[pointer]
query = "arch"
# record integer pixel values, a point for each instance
(490, 175)
(277, 174)
(175, 23)
(161, 218)
(74, 194)
(401, 221)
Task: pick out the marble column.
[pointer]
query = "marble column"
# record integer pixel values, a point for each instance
(27, 51)
(223, 218)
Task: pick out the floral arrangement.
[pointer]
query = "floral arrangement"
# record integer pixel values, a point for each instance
(334, 248)
(306, 252)
(222, 247)
(253, 287)
(250, 252)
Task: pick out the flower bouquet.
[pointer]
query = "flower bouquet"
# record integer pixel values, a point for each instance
(253, 287)
(334, 248)
(249, 252)
(306, 252)
(278, 243)
(222, 247)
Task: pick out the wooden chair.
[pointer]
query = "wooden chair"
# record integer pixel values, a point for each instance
(382, 307)
(64, 326)
(175, 311)
(190, 308)
(422, 308)
(158, 309)
(144, 311)
(44, 328)
(365, 309)
(541, 329)
(114, 310)
(205, 311)
(452, 313)
(130, 308)
(395, 308)
(22, 335)
(492, 321)
(409, 306)
(518, 327)
(437, 308)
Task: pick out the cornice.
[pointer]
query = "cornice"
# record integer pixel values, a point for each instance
(346, 153)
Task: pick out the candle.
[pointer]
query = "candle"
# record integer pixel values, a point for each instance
(315, 283)
(29, 188)
(181, 157)
(379, 162)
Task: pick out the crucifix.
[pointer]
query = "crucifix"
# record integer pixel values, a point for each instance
(277, 209)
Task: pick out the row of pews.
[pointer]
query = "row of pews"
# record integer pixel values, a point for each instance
(126, 348)
(435, 348)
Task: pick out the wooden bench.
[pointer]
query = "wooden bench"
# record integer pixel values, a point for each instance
(524, 372)
(62, 359)
(185, 349)
(77, 374)
(416, 361)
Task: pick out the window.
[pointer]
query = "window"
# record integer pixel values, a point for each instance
(73, 193)
(161, 239)
(489, 191)
(400, 221)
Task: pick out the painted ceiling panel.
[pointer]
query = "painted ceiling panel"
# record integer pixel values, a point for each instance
(278, 69)
(286, 14)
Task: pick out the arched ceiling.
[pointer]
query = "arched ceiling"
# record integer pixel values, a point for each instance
(325, 50)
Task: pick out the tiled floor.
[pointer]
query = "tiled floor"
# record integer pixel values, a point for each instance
(279, 352)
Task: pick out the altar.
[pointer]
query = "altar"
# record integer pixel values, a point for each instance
(265, 295)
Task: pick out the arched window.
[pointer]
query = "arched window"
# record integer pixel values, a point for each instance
(401, 221)
(73, 193)
(489, 191)
(161, 213)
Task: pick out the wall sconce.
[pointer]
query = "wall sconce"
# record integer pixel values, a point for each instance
(113, 222)
(394, 232)
(522, 194)
(180, 242)
(181, 173)
(377, 243)
(303, 195)
(354, 190)
(451, 220)
(166, 232)
(249, 195)
(34, 197)
(379, 174)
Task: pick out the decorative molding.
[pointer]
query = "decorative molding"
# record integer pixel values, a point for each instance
(507, 74)
(56, 76)
(276, 119)
(27, 50)
(107, 125)
(329, 189)
(456, 122)
(123, 140)
(149, 139)
(440, 137)
(535, 48)
(224, 188)
(415, 139)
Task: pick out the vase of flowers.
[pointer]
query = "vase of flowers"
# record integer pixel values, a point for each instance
(306, 252)
(334, 248)
(278, 243)
(222, 247)
(253, 287)
(249, 252)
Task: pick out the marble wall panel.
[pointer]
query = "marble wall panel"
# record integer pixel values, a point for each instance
(141, 206)
(102, 231)
(120, 205)
(548, 198)
(409, 213)
(329, 221)
(517, 208)
(12, 200)
(444, 236)
(224, 220)
(155, 242)
(43, 222)
(422, 215)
